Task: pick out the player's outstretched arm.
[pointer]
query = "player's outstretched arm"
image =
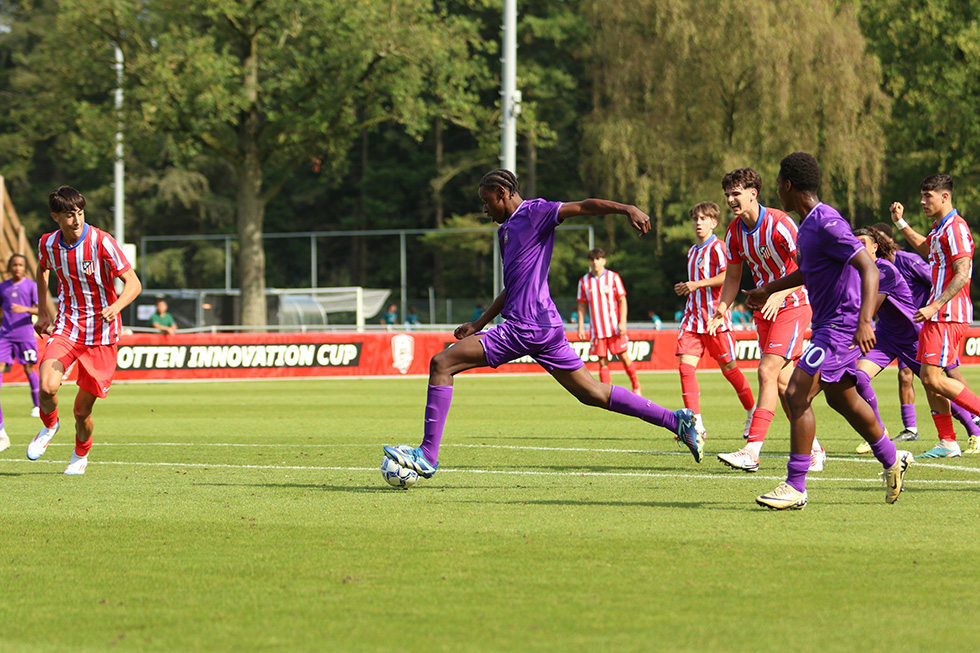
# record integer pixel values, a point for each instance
(639, 219)
(914, 238)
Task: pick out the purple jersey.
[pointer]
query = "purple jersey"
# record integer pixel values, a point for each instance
(825, 247)
(17, 326)
(896, 312)
(917, 275)
(527, 239)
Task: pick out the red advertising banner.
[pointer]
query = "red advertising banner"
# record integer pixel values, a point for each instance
(269, 355)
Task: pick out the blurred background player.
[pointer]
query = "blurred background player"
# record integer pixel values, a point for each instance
(949, 246)
(532, 325)
(603, 292)
(18, 299)
(162, 320)
(764, 238)
(896, 331)
(706, 263)
(87, 261)
(842, 281)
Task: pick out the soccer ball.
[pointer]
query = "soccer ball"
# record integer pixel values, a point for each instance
(397, 476)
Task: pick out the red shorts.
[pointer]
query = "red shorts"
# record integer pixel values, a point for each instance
(784, 335)
(939, 342)
(603, 347)
(96, 363)
(720, 346)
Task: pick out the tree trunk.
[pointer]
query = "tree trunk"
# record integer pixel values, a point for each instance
(250, 204)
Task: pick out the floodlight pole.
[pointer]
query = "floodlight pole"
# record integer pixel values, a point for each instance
(119, 229)
(510, 108)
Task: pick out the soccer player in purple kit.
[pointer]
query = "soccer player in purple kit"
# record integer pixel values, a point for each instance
(896, 331)
(18, 344)
(533, 325)
(842, 282)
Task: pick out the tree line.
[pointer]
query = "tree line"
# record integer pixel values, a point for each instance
(316, 115)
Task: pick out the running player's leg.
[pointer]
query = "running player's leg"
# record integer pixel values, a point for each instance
(690, 389)
(604, 374)
(968, 420)
(721, 347)
(866, 370)
(906, 397)
(629, 367)
(791, 494)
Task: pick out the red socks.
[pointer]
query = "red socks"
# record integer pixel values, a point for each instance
(761, 419)
(690, 391)
(741, 385)
(944, 424)
(49, 419)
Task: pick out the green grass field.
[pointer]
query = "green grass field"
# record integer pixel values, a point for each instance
(252, 516)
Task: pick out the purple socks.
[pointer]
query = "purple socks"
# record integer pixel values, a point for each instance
(624, 402)
(884, 451)
(796, 469)
(908, 416)
(35, 384)
(868, 394)
(437, 405)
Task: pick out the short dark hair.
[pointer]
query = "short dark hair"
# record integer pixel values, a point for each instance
(710, 209)
(885, 228)
(65, 199)
(596, 252)
(742, 178)
(885, 245)
(13, 256)
(940, 181)
(500, 178)
(801, 170)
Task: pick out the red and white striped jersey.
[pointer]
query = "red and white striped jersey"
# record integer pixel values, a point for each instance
(602, 295)
(768, 249)
(86, 271)
(703, 262)
(950, 239)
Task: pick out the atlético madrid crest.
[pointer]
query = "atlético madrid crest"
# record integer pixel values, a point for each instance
(88, 267)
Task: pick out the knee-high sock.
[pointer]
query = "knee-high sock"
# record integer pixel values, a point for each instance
(35, 385)
(437, 403)
(969, 401)
(49, 419)
(868, 394)
(761, 419)
(908, 416)
(631, 372)
(604, 375)
(884, 450)
(796, 469)
(965, 418)
(944, 424)
(624, 402)
(690, 391)
(737, 378)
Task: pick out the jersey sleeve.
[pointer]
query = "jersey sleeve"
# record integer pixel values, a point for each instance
(619, 290)
(32, 295)
(960, 240)
(112, 254)
(546, 216)
(582, 295)
(719, 262)
(784, 234)
(887, 279)
(732, 248)
(42, 253)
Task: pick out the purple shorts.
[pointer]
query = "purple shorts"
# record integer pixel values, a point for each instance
(886, 350)
(548, 346)
(18, 351)
(829, 355)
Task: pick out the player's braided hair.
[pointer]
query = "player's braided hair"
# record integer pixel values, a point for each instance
(801, 170)
(500, 178)
(886, 246)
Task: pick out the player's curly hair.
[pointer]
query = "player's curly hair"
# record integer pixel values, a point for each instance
(65, 199)
(801, 170)
(886, 246)
(742, 178)
(500, 178)
(940, 182)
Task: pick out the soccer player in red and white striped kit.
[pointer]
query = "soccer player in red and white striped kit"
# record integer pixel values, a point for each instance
(87, 261)
(603, 291)
(706, 263)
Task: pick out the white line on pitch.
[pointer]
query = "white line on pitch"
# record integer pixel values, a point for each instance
(503, 472)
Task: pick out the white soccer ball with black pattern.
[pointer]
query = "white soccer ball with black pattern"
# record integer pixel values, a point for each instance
(397, 476)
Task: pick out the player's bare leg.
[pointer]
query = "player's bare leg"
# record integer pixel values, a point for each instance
(590, 392)
(84, 428)
(791, 494)
(51, 373)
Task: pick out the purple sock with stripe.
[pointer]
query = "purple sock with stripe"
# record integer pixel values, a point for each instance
(35, 385)
(908, 416)
(965, 417)
(884, 450)
(624, 402)
(437, 404)
(796, 469)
